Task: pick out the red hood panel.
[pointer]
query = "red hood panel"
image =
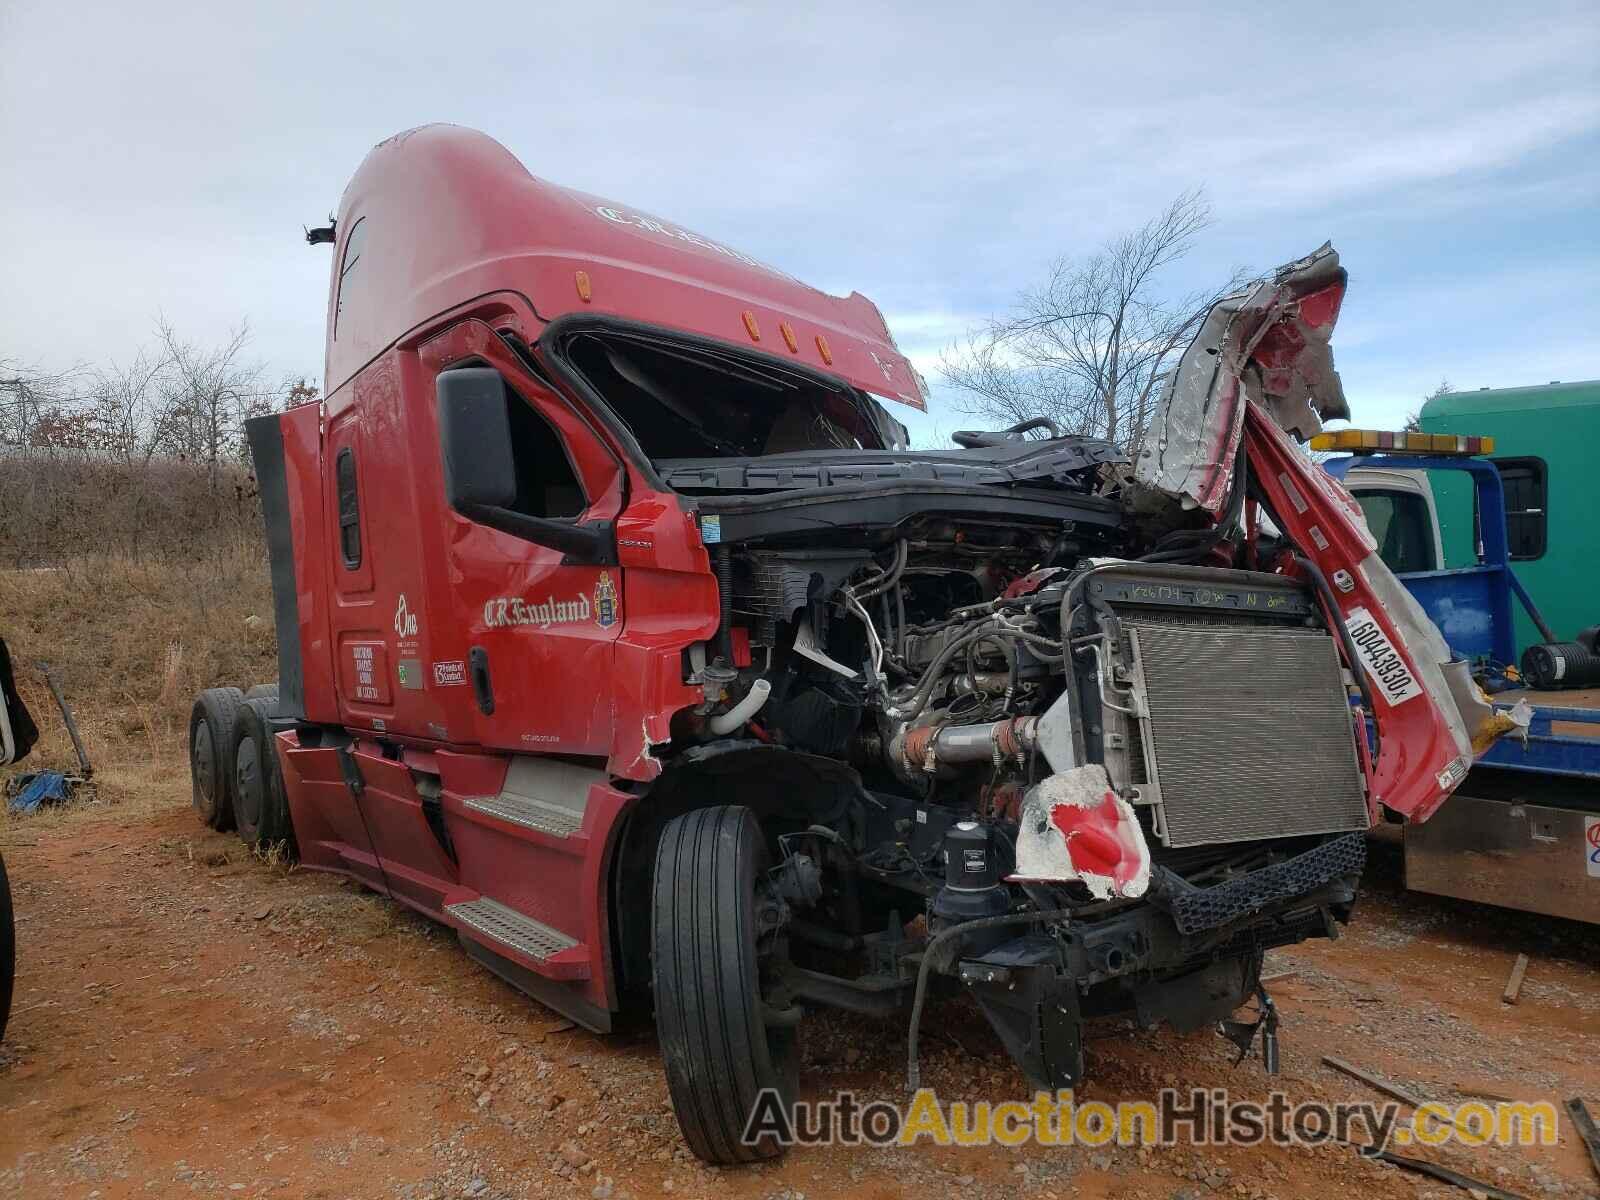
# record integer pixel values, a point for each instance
(1259, 370)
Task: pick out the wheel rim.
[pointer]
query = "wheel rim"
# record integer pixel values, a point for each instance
(247, 793)
(205, 763)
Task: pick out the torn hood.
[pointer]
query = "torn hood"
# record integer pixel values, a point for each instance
(1271, 342)
(1260, 372)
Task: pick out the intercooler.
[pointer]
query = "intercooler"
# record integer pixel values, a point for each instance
(1247, 733)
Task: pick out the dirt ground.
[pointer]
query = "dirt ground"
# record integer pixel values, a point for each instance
(193, 1021)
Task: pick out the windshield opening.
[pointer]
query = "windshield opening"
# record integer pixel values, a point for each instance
(689, 401)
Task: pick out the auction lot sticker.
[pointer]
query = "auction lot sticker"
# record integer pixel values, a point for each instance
(1381, 660)
(1591, 844)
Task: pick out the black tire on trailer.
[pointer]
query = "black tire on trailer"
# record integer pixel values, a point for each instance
(719, 1049)
(211, 724)
(252, 769)
(8, 948)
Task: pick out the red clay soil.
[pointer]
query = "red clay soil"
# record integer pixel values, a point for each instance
(192, 1021)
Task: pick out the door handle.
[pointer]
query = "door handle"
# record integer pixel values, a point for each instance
(482, 687)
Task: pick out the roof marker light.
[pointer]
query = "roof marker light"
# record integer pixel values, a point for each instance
(788, 337)
(584, 290)
(1369, 441)
(751, 327)
(822, 349)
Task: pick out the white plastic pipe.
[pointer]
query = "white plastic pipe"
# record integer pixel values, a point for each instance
(741, 712)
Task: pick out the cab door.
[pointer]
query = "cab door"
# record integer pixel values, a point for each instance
(526, 659)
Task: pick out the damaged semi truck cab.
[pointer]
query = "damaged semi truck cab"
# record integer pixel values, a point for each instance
(620, 631)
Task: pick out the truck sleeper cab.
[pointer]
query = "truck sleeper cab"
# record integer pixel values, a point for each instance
(620, 631)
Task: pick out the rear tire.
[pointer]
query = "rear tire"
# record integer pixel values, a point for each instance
(706, 968)
(252, 771)
(264, 691)
(211, 723)
(8, 949)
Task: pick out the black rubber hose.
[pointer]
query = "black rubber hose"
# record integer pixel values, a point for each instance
(1332, 606)
(919, 998)
(1205, 539)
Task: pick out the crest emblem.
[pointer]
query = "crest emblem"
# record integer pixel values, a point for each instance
(605, 601)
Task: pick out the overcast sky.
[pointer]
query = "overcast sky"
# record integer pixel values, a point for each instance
(162, 158)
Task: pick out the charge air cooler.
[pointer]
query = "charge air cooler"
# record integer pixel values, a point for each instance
(1239, 727)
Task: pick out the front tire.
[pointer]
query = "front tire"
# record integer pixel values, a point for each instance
(719, 1051)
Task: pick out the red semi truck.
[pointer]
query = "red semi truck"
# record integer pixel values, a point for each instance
(620, 631)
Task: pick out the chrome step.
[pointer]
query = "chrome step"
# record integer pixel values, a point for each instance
(510, 928)
(528, 812)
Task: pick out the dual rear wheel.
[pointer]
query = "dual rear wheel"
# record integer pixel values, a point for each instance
(233, 766)
(260, 804)
(211, 736)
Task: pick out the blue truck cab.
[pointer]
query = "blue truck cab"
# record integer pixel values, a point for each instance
(1524, 830)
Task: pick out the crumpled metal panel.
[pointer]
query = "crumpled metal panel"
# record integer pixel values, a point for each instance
(1270, 342)
(1058, 460)
(1075, 828)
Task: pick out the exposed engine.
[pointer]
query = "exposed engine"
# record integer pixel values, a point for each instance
(961, 662)
(1106, 715)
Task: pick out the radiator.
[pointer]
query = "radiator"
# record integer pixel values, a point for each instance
(1248, 733)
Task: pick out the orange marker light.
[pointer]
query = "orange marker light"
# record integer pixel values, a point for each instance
(822, 349)
(788, 337)
(584, 291)
(751, 327)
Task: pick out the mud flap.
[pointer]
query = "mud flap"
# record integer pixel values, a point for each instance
(1032, 1003)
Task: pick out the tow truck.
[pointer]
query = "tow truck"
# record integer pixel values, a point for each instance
(1523, 830)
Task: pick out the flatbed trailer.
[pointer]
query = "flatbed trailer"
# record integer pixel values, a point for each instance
(1523, 830)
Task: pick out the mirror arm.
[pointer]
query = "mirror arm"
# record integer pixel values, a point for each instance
(589, 544)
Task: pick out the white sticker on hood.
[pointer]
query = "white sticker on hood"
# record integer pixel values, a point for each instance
(1381, 660)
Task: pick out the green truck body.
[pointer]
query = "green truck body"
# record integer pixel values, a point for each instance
(1547, 446)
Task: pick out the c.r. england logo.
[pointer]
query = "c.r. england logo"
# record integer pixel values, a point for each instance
(603, 609)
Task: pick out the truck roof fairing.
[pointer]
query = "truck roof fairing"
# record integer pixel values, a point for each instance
(449, 216)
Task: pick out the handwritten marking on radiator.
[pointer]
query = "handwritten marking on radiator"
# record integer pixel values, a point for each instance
(1380, 659)
(1591, 845)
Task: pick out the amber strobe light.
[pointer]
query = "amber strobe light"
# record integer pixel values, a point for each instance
(1368, 441)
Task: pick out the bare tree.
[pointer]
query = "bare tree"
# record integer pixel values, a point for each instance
(125, 399)
(1090, 347)
(1414, 417)
(28, 395)
(206, 396)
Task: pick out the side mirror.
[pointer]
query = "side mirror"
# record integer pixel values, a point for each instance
(480, 468)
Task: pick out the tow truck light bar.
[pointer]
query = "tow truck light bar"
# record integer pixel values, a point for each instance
(1365, 441)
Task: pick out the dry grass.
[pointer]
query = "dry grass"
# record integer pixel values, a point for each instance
(131, 643)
